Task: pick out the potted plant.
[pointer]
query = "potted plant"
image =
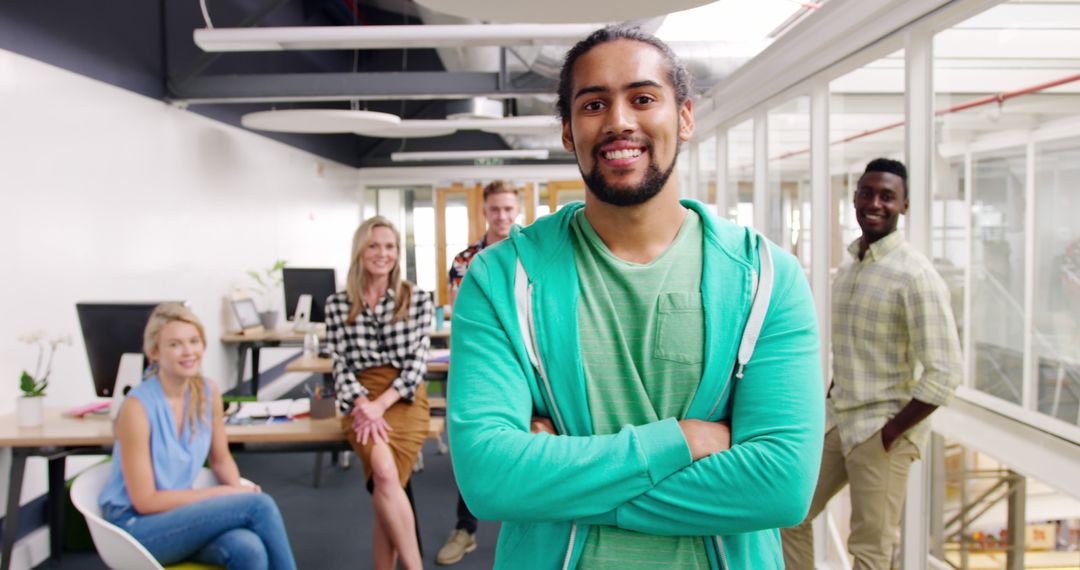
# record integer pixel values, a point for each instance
(266, 285)
(30, 407)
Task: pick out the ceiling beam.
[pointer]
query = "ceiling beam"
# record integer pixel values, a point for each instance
(280, 87)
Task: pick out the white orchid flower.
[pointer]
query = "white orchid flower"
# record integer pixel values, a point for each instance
(32, 337)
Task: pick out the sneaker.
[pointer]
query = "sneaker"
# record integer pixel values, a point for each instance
(460, 543)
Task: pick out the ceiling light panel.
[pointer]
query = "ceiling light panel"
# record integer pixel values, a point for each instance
(468, 155)
(326, 121)
(387, 37)
(559, 11)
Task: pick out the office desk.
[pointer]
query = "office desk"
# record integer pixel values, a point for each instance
(287, 337)
(326, 366)
(60, 437)
(255, 342)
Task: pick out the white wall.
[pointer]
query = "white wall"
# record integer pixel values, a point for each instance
(109, 195)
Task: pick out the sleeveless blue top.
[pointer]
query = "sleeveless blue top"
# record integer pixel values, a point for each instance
(176, 460)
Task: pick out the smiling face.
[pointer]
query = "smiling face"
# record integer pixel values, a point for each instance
(179, 350)
(500, 211)
(625, 126)
(381, 252)
(880, 199)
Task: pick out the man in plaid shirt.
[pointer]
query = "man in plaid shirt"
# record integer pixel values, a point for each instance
(890, 310)
(501, 208)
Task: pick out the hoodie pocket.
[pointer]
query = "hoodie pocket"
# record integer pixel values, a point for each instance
(680, 333)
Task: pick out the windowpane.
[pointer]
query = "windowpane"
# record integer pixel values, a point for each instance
(1004, 77)
(1057, 278)
(948, 215)
(997, 212)
(789, 177)
(707, 172)
(740, 183)
(424, 239)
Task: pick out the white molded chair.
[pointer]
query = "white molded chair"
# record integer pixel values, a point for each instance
(118, 549)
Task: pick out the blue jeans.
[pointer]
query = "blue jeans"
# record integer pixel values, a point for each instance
(240, 532)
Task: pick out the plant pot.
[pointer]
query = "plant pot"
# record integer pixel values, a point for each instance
(30, 411)
(269, 319)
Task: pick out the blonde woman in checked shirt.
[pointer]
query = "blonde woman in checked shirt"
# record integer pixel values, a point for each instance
(890, 310)
(377, 331)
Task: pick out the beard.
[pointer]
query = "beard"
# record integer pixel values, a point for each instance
(617, 195)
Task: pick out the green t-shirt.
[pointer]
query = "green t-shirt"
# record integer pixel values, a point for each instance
(642, 330)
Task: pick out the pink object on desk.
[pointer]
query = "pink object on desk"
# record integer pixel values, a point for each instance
(80, 411)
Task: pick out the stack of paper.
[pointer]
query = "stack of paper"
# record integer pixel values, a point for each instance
(274, 409)
(439, 355)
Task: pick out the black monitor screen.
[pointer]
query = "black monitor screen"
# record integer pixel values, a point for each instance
(319, 283)
(111, 330)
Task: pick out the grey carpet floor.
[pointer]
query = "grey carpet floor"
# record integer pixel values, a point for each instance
(330, 527)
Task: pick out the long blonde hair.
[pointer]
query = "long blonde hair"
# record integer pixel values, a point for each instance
(164, 314)
(358, 279)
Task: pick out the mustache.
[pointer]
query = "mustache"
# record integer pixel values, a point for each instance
(612, 138)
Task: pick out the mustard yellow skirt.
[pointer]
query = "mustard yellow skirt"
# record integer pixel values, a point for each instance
(409, 421)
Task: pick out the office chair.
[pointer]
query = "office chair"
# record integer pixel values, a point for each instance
(118, 549)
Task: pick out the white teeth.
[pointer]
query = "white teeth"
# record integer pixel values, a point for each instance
(620, 154)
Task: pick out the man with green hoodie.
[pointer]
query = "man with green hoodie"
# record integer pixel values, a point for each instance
(675, 353)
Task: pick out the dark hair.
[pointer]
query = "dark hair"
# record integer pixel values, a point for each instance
(499, 187)
(680, 78)
(891, 166)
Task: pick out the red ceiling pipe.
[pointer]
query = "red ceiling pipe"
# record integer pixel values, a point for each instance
(998, 98)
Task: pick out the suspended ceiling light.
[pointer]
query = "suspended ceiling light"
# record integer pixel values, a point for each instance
(386, 125)
(326, 121)
(388, 37)
(409, 128)
(559, 11)
(468, 155)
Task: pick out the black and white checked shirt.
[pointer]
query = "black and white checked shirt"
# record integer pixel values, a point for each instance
(375, 341)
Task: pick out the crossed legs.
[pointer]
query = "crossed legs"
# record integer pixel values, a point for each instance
(395, 528)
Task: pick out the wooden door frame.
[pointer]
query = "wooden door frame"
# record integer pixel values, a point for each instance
(477, 224)
(474, 198)
(556, 186)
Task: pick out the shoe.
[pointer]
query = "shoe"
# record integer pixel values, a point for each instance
(460, 543)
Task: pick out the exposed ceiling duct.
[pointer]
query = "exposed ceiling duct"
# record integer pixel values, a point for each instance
(475, 108)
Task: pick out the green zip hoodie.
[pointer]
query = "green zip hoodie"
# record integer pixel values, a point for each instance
(548, 490)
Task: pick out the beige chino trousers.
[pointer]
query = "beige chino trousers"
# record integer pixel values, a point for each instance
(878, 480)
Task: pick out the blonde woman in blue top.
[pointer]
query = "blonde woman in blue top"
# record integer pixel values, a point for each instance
(166, 430)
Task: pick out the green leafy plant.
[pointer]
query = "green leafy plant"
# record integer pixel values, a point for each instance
(33, 386)
(267, 280)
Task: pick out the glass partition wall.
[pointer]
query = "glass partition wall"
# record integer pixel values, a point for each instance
(996, 149)
(1007, 118)
(789, 177)
(740, 174)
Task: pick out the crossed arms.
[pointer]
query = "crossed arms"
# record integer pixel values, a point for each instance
(643, 478)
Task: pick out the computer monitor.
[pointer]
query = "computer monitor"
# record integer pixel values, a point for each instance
(319, 283)
(111, 330)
